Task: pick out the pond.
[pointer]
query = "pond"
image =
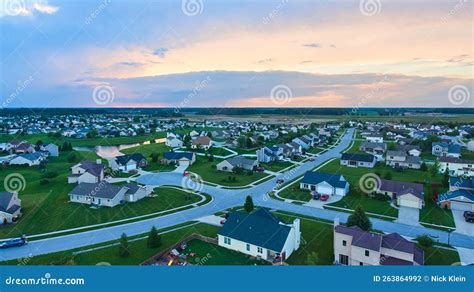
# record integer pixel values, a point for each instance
(107, 152)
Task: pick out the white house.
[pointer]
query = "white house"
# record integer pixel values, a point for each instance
(405, 194)
(106, 194)
(237, 161)
(202, 142)
(10, 207)
(358, 160)
(87, 172)
(260, 234)
(174, 142)
(325, 183)
(29, 159)
(128, 162)
(51, 148)
(456, 166)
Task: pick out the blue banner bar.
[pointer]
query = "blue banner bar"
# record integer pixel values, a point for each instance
(200, 278)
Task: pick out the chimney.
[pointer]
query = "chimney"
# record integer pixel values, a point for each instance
(336, 221)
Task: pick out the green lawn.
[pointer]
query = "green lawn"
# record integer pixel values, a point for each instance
(371, 205)
(83, 142)
(139, 252)
(211, 254)
(466, 154)
(440, 256)
(46, 208)
(208, 172)
(294, 192)
(213, 150)
(276, 166)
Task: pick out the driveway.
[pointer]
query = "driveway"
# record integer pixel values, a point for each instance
(319, 204)
(462, 226)
(409, 216)
(181, 168)
(466, 256)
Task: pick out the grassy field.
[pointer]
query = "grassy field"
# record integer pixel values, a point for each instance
(139, 252)
(46, 208)
(208, 172)
(211, 254)
(83, 142)
(294, 192)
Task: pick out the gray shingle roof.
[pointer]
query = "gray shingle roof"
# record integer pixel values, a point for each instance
(259, 228)
(99, 190)
(335, 180)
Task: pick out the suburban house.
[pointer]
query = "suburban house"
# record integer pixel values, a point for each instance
(180, 158)
(356, 247)
(237, 161)
(128, 162)
(52, 149)
(325, 183)
(269, 154)
(374, 148)
(202, 142)
(304, 142)
(412, 150)
(29, 159)
(358, 160)
(10, 207)
(174, 142)
(456, 166)
(446, 149)
(87, 171)
(106, 194)
(374, 137)
(400, 159)
(405, 194)
(460, 195)
(260, 234)
(20, 147)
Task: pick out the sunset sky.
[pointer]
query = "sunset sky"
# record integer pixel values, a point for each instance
(203, 53)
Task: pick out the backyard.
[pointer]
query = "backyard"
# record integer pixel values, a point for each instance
(208, 172)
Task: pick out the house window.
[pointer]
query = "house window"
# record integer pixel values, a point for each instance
(343, 259)
(344, 243)
(361, 264)
(259, 249)
(248, 247)
(227, 240)
(366, 253)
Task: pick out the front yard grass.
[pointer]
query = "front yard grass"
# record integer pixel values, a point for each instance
(276, 166)
(440, 256)
(208, 172)
(294, 192)
(212, 254)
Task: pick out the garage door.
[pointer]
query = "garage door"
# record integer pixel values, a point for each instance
(408, 203)
(324, 190)
(462, 206)
(184, 162)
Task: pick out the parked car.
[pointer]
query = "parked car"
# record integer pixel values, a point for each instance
(259, 169)
(186, 173)
(324, 198)
(316, 196)
(14, 242)
(469, 216)
(222, 221)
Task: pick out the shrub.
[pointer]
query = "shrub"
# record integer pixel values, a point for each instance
(44, 181)
(50, 174)
(425, 241)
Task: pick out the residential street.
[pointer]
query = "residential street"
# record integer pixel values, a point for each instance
(224, 199)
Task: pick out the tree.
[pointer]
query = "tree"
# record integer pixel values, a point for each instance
(238, 170)
(154, 157)
(154, 238)
(248, 143)
(124, 250)
(425, 241)
(312, 259)
(211, 158)
(446, 178)
(248, 206)
(434, 169)
(359, 218)
(423, 167)
(92, 133)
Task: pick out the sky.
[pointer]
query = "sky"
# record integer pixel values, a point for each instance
(211, 53)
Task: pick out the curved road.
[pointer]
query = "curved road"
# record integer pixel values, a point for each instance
(224, 199)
